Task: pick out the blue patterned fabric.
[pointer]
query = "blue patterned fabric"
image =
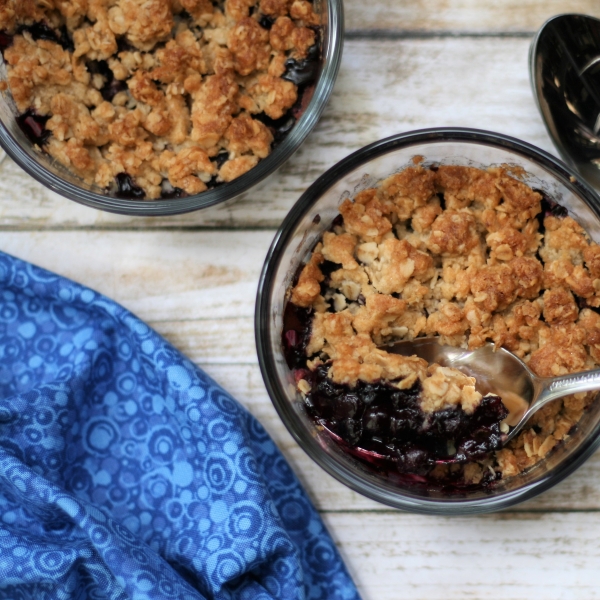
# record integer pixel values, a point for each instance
(127, 473)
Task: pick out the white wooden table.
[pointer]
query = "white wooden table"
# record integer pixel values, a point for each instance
(407, 64)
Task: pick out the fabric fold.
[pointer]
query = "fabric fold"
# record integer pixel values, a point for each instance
(127, 473)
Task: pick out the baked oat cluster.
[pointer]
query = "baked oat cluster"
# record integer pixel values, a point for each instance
(165, 94)
(468, 255)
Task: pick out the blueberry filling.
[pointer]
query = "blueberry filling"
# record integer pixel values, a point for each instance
(34, 127)
(302, 72)
(382, 425)
(296, 324)
(126, 188)
(337, 222)
(221, 159)
(214, 183)
(551, 208)
(266, 22)
(111, 85)
(388, 423)
(6, 40)
(123, 45)
(168, 191)
(43, 31)
(278, 127)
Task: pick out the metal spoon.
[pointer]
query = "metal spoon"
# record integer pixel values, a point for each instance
(564, 67)
(499, 372)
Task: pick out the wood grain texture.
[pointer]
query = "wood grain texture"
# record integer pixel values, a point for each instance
(156, 274)
(506, 556)
(384, 87)
(456, 16)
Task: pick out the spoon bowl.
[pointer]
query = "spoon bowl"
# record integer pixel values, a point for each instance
(564, 66)
(499, 372)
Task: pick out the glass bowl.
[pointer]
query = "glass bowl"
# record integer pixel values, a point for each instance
(59, 179)
(304, 225)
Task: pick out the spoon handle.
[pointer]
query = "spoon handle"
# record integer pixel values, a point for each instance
(551, 388)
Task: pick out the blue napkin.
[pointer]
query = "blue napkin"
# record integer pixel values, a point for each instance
(127, 473)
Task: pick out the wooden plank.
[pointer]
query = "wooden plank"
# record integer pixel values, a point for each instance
(160, 275)
(460, 15)
(384, 87)
(552, 556)
(227, 341)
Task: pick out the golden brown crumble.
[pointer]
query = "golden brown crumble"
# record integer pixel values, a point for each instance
(157, 89)
(486, 266)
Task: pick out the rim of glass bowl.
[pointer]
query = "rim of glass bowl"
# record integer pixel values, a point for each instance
(331, 58)
(306, 441)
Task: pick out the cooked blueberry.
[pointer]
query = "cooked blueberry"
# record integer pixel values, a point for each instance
(168, 191)
(345, 406)
(449, 423)
(405, 420)
(549, 207)
(327, 388)
(301, 72)
(338, 221)
(350, 430)
(490, 412)
(221, 159)
(65, 39)
(414, 460)
(478, 445)
(123, 45)
(327, 267)
(214, 182)
(34, 127)
(127, 189)
(296, 319)
(110, 90)
(266, 22)
(376, 421)
(40, 31)
(6, 40)
(370, 393)
(278, 127)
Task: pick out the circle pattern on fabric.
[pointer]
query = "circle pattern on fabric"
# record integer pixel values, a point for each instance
(126, 472)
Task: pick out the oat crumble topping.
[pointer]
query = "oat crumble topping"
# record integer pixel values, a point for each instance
(468, 255)
(176, 94)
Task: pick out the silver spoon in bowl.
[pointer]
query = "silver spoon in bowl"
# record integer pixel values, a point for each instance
(564, 68)
(497, 371)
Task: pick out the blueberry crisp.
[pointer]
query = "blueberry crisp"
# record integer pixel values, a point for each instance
(159, 98)
(470, 256)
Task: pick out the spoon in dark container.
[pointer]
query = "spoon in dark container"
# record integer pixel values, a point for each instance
(564, 67)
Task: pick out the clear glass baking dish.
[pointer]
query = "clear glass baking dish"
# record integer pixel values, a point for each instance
(55, 176)
(304, 225)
